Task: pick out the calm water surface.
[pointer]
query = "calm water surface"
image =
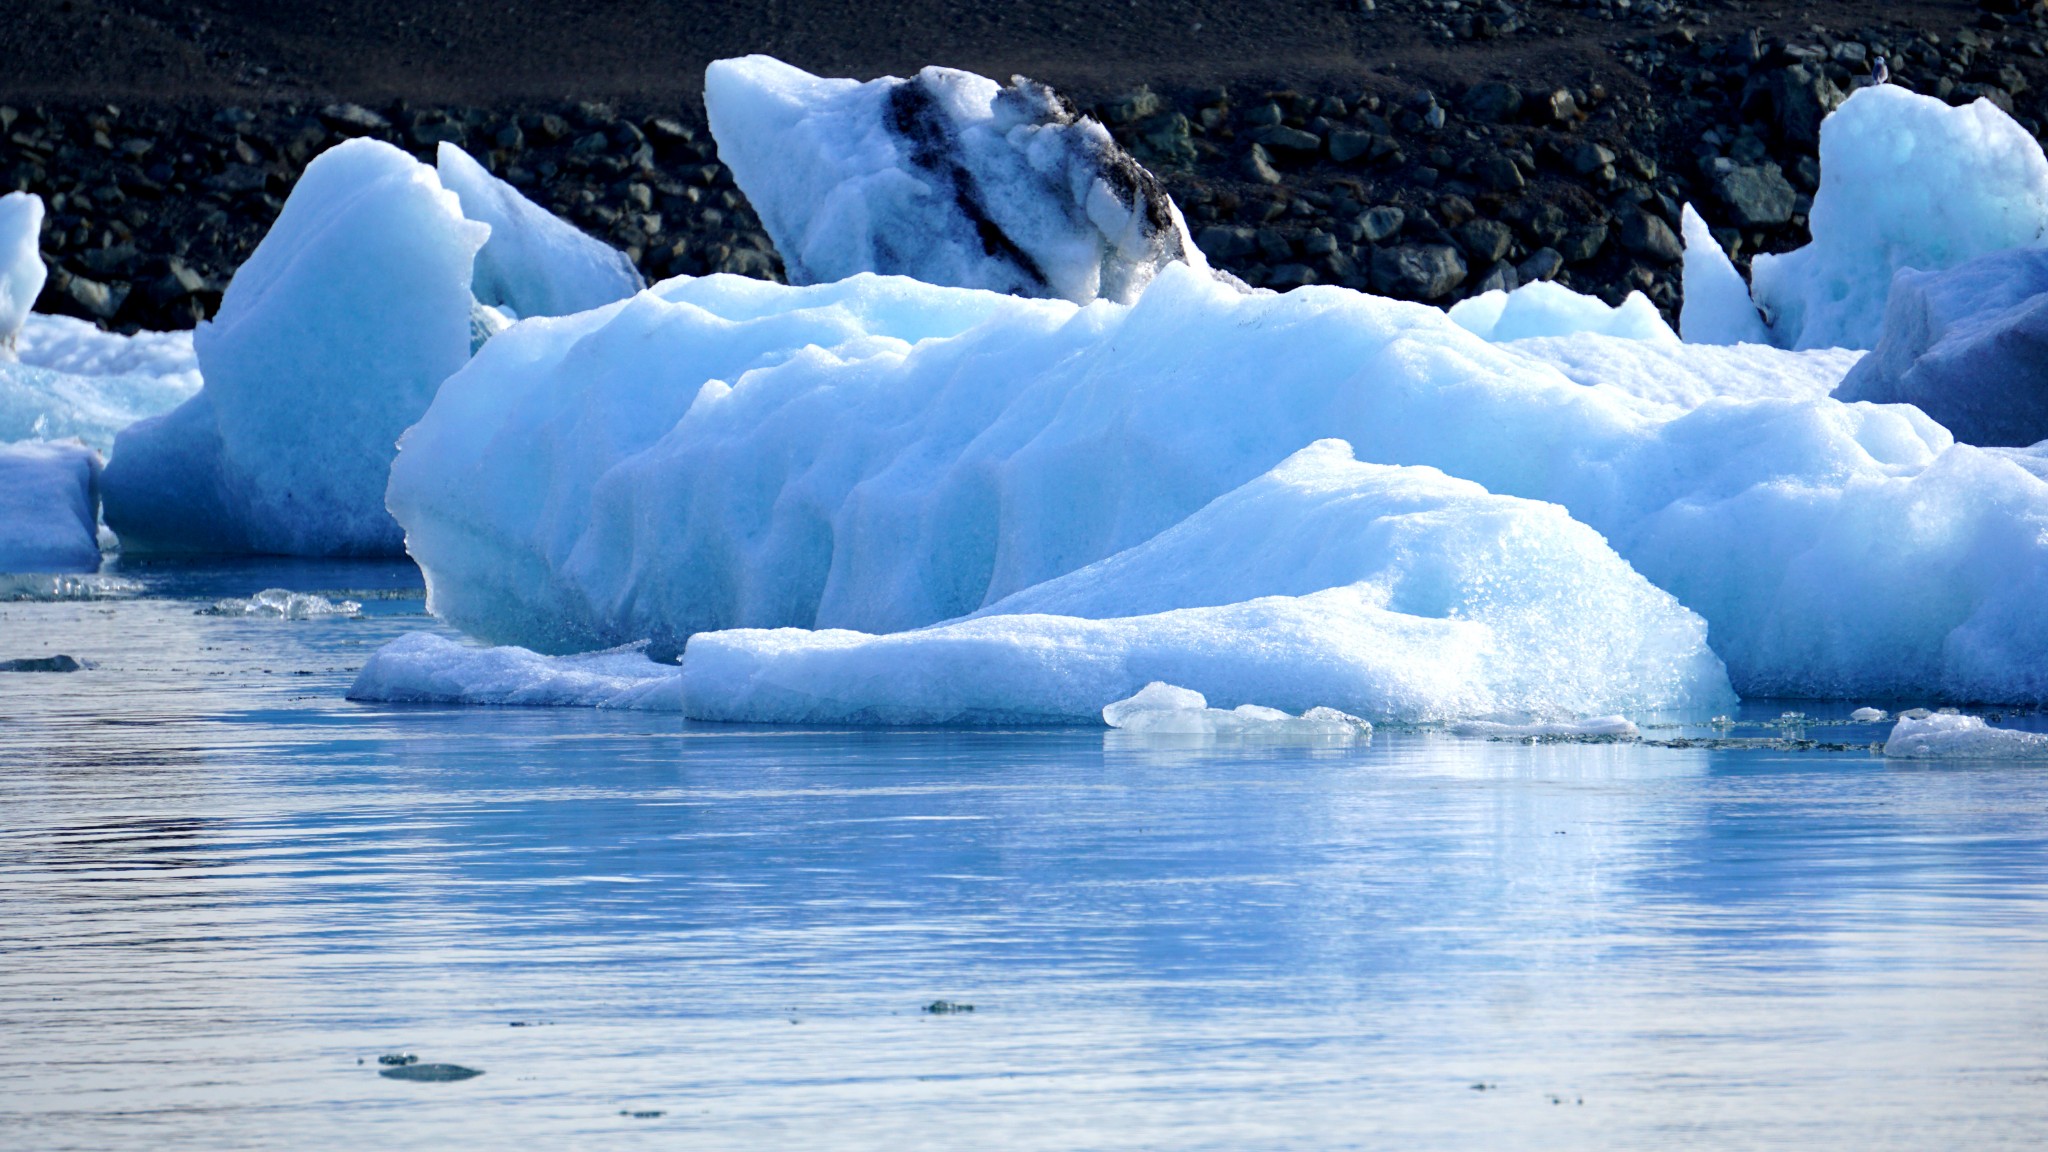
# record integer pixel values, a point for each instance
(225, 891)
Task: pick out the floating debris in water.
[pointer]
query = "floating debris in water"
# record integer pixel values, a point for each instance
(646, 1114)
(946, 1008)
(399, 1059)
(283, 604)
(430, 1073)
(43, 664)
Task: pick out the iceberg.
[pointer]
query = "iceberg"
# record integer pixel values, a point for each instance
(74, 381)
(535, 263)
(1395, 593)
(423, 668)
(329, 342)
(1685, 376)
(1906, 182)
(1544, 308)
(49, 508)
(1717, 307)
(878, 455)
(1949, 736)
(21, 263)
(946, 177)
(1969, 346)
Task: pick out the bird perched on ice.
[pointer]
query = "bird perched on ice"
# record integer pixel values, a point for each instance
(1879, 74)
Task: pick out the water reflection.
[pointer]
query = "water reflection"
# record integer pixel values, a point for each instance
(222, 886)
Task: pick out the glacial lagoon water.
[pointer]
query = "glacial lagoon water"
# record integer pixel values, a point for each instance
(225, 892)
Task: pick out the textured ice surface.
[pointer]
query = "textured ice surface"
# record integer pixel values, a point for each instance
(535, 263)
(1969, 346)
(1948, 736)
(1546, 309)
(1686, 376)
(1868, 715)
(330, 340)
(1164, 709)
(49, 507)
(714, 454)
(1717, 308)
(422, 668)
(1906, 182)
(1394, 593)
(284, 604)
(74, 380)
(21, 263)
(946, 177)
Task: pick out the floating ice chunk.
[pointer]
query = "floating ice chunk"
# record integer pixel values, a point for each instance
(1546, 309)
(876, 455)
(1906, 182)
(422, 668)
(46, 586)
(1166, 710)
(1598, 727)
(946, 177)
(535, 263)
(1686, 376)
(1717, 308)
(331, 339)
(1397, 593)
(1969, 346)
(49, 507)
(1948, 736)
(1868, 715)
(21, 263)
(283, 604)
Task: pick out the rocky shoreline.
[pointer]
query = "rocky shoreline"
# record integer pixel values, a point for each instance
(1401, 186)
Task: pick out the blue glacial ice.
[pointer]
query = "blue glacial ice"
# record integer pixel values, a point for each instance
(535, 263)
(49, 507)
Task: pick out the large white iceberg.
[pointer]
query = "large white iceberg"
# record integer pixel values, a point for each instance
(1969, 346)
(49, 507)
(535, 263)
(329, 342)
(1906, 182)
(947, 177)
(1388, 592)
(877, 455)
(21, 263)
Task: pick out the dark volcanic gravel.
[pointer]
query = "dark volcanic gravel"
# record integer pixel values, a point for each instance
(1423, 148)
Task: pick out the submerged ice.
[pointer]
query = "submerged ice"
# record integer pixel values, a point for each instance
(947, 177)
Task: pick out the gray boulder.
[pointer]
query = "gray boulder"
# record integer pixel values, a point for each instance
(1757, 197)
(1417, 271)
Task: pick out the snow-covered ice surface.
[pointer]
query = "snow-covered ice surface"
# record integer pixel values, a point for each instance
(1906, 182)
(73, 380)
(1546, 309)
(49, 507)
(1717, 307)
(330, 340)
(946, 177)
(1969, 346)
(535, 263)
(21, 263)
(423, 668)
(713, 455)
(1949, 736)
(1166, 710)
(1685, 376)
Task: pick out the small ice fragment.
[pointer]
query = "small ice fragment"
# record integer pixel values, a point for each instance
(282, 604)
(1163, 708)
(1949, 736)
(423, 668)
(1608, 727)
(1867, 715)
